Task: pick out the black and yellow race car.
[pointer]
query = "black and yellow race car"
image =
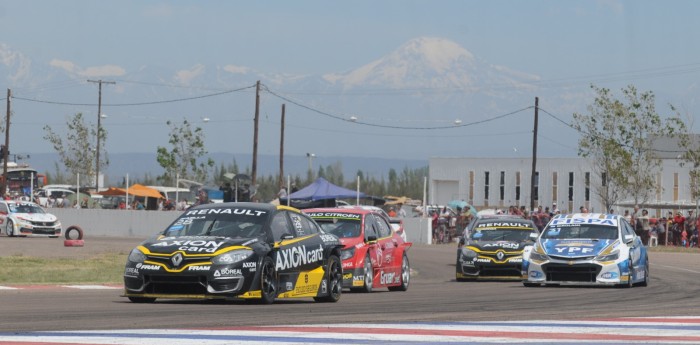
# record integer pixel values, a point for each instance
(236, 250)
(492, 248)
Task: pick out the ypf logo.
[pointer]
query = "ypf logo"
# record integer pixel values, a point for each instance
(176, 260)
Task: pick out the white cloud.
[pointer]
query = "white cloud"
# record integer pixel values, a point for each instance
(236, 69)
(14, 59)
(64, 65)
(103, 71)
(95, 71)
(186, 76)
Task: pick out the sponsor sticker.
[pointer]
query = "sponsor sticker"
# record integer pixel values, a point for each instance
(508, 245)
(228, 272)
(199, 268)
(238, 211)
(386, 278)
(298, 256)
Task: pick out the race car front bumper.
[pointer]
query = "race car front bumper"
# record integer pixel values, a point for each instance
(575, 272)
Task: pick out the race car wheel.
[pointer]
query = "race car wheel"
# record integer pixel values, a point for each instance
(531, 284)
(629, 277)
(405, 275)
(268, 281)
(645, 282)
(369, 276)
(10, 228)
(333, 280)
(142, 299)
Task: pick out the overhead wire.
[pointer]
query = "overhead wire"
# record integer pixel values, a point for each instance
(352, 119)
(136, 104)
(595, 136)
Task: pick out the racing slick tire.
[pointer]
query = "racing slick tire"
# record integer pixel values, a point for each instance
(142, 299)
(369, 277)
(333, 280)
(268, 281)
(405, 275)
(10, 229)
(531, 284)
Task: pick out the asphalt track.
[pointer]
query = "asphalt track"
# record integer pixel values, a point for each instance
(434, 297)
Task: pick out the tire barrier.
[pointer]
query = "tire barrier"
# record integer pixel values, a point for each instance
(71, 242)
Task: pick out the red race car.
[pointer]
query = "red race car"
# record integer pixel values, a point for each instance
(373, 255)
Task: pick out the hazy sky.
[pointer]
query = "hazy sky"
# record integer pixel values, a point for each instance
(653, 44)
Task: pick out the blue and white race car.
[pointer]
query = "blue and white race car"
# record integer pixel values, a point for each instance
(587, 249)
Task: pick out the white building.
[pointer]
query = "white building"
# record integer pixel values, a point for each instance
(570, 182)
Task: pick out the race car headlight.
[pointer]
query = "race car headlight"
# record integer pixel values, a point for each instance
(137, 256)
(538, 257)
(609, 257)
(469, 254)
(347, 253)
(232, 257)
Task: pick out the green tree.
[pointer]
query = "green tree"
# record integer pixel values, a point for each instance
(185, 157)
(617, 137)
(77, 151)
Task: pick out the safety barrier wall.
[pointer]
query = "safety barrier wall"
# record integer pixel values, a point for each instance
(144, 224)
(119, 223)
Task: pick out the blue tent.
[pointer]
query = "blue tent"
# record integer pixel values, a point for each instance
(321, 189)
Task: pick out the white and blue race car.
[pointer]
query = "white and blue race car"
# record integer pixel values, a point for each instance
(587, 249)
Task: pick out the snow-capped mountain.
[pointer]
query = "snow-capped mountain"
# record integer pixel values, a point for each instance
(428, 62)
(425, 82)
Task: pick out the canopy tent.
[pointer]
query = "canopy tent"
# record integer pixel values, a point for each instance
(321, 189)
(133, 190)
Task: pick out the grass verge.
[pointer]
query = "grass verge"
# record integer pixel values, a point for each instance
(99, 269)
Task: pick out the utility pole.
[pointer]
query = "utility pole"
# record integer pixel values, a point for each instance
(6, 151)
(534, 158)
(99, 131)
(281, 182)
(255, 134)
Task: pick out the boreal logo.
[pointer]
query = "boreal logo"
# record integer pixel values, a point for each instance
(298, 256)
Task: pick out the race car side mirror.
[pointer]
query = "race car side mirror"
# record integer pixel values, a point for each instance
(371, 239)
(286, 236)
(629, 239)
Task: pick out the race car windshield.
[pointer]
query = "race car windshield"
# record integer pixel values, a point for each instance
(219, 225)
(588, 231)
(26, 209)
(511, 235)
(340, 227)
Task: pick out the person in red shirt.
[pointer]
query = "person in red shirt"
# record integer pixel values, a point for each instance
(678, 228)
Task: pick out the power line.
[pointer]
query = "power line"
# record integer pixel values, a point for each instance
(353, 119)
(135, 104)
(581, 132)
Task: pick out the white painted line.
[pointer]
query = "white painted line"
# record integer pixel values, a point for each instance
(91, 287)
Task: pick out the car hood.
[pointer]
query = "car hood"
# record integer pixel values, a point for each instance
(36, 217)
(195, 244)
(574, 248)
(495, 245)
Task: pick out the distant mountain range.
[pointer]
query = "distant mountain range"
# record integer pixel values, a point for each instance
(396, 99)
(136, 165)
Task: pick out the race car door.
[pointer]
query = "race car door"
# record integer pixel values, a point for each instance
(4, 212)
(635, 248)
(383, 250)
(298, 256)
